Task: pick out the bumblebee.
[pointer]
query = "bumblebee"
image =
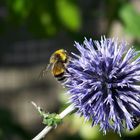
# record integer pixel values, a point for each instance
(58, 62)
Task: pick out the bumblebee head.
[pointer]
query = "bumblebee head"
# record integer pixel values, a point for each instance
(60, 55)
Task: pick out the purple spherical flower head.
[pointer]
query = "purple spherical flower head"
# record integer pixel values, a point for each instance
(103, 83)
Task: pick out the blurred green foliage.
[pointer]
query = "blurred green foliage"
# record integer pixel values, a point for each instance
(48, 17)
(131, 19)
(19, 8)
(45, 17)
(69, 14)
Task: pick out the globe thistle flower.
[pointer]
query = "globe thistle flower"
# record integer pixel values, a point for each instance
(103, 83)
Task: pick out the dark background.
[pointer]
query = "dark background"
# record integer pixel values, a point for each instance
(30, 31)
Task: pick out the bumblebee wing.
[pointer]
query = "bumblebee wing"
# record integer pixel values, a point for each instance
(44, 71)
(58, 69)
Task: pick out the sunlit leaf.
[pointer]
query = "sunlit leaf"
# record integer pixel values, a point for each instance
(131, 20)
(69, 14)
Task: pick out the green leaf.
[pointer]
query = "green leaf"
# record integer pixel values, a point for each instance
(51, 119)
(19, 9)
(69, 14)
(131, 20)
(46, 21)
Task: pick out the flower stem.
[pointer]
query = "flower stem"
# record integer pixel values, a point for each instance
(44, 132)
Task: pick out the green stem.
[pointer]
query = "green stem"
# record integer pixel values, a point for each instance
(44, 132)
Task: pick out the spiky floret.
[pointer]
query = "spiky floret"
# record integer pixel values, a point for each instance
(103, 83)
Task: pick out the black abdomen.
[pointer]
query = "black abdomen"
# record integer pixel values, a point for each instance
(60, 77)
